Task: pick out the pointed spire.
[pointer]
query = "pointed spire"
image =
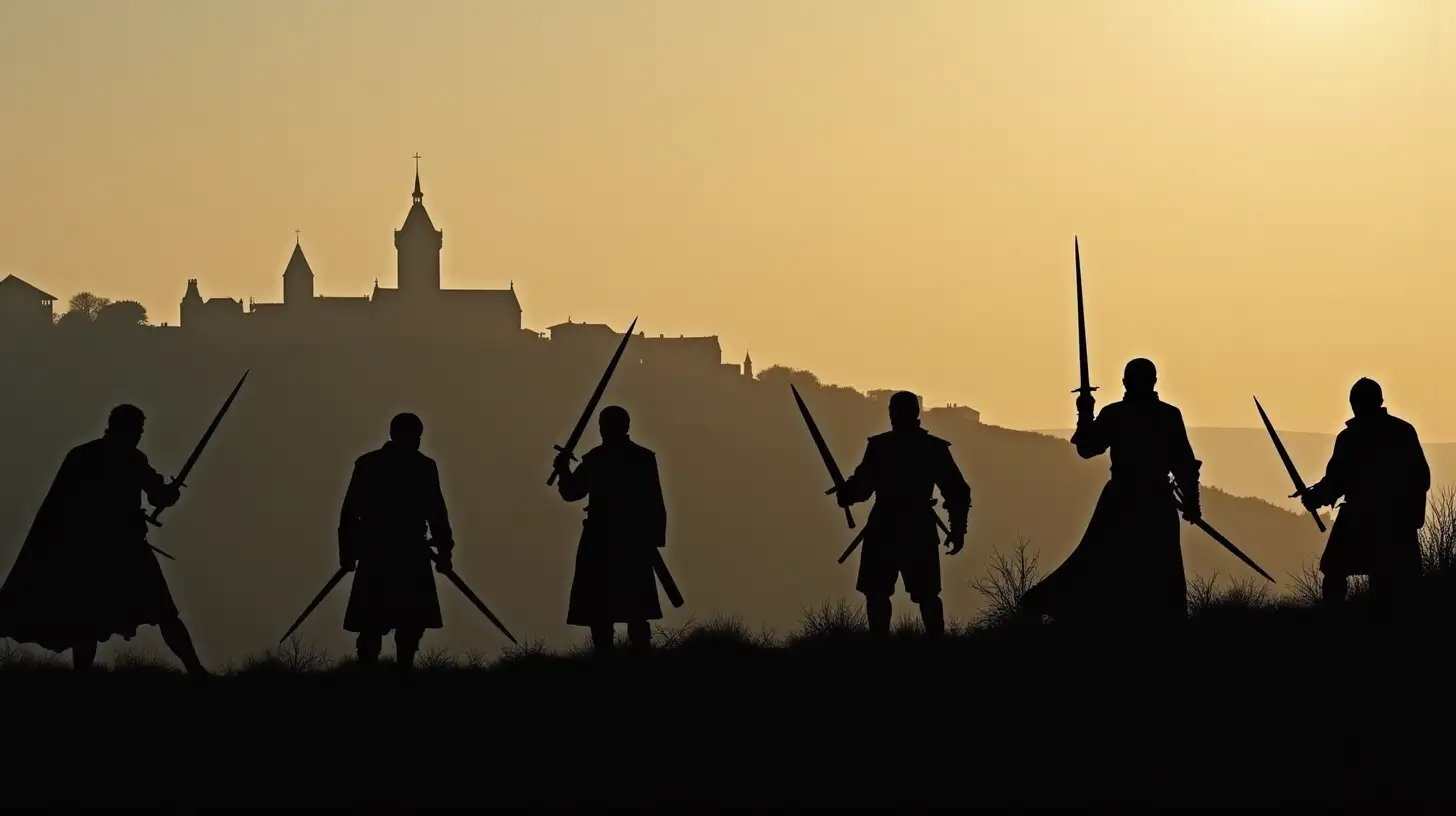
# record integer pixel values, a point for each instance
(296, 240)
(418, 195)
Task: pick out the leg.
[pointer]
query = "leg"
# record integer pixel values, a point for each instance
(406, 646)
(932, 614)
(368, 646)
(877, 609)
(83, 656)
(179, 640)
(603, 635)
(640, 635)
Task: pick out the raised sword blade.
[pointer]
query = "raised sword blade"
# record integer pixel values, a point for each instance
(181, 479)
(835, 476)
(575, 439)
(1299, 487)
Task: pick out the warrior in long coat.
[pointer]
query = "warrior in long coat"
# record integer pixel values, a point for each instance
(901, 468)
(626, 520)
(393, 501)
(86, 571)
(1380, 470)
(1128, 568)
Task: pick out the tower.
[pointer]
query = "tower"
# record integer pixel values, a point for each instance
(297, 278)
(190, 313)
(417, 249)
(747, 365)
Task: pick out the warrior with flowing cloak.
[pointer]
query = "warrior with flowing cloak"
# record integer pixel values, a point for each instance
(1380, 470)
(393, 513)
(626, 522)
(900, 469)
(1128, 568)
(86, 571)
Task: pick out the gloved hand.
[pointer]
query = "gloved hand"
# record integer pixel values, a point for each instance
(443, 562)
(1192, 512)
(348, 564)
(956, 541)
(562, 463)
(1085, 404)
(1308, 498)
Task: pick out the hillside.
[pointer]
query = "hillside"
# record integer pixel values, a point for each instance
(751, 532)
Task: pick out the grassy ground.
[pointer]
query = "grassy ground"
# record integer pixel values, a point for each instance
(1262, 700)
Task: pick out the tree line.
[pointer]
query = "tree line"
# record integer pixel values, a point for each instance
(86, 308)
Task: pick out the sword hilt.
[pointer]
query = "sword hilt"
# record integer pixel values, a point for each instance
(570, 457)
(1086, 389)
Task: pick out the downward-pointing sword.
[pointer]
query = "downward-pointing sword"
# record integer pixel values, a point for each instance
(570, 447)
(1299, 487)
(181, 478)
(834, 475)
(1219, 537)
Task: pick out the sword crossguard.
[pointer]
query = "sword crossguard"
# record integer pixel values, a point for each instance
(1089, 389)
(559, 449)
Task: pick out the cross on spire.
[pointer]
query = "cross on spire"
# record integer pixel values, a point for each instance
(296, 239)
(417, 194)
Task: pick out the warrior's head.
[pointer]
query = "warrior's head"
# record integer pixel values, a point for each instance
(614, 423)
(1140, 376)
(125, 425)
(406, 430)
(1366, 397)
(904, 410)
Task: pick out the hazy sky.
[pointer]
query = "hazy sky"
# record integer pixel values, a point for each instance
(882, 192)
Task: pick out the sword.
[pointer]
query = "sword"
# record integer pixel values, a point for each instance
(181, 479)
(1299, 486)
(1217, 536)
(669, 586)
(475, 599)
(317, 599)
(834, 475)
(570, 447)
(853, 545)
(1086, 388)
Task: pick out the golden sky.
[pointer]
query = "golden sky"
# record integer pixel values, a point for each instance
(882, 192)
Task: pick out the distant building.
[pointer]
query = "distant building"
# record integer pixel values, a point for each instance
(416, 302)
(954, 414)
(23, 305)
(660, 351)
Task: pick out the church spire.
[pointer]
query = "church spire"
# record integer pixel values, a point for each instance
(418, 196)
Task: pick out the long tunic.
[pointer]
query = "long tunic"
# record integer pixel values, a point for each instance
(625, 520)
(1380, 470)
(393, 501)
(1129, 563)
(901, 468)
(85, 571)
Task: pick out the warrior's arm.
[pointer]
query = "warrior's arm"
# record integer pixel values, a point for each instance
(1093, 436)
(159, 493)
(574, 485)
(954, 491)
(1328, 490)
(1186, 465)
(1420, 469)
(349, 517)
(656, 506)
(861, 484)
(442, 537)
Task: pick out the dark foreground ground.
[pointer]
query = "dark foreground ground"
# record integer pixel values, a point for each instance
(1264, 705)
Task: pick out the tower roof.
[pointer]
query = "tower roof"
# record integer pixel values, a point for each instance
(297, 264)
(417, 217)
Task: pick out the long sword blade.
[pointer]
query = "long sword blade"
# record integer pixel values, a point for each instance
(1086, 387)
(1219, 537)
(835, 476)
(669, 586)
(570, 447)
(317, 599)
(1299, 486)
(181, 478)
(479, 604)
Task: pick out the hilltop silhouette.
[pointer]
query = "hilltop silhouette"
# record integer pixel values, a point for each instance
(751, 532)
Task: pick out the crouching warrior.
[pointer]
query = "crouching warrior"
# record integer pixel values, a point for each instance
(86, 571)
(901, 468)
(393, 500)
(626, 523)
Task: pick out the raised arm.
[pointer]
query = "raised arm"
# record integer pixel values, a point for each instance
(1093, 436)
(159, 493)
(573, 485)
(1328, 490)
(862, 483)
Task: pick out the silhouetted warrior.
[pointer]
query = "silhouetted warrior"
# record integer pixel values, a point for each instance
(625, 519)
(86, 571)
(1380, 470)
(1128, 568)
(393, 501)
(901, 468)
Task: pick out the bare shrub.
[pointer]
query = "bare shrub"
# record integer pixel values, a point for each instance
(1007, 580)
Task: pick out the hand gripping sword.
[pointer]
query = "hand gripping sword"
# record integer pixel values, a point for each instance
(570, 447)
(834, 475)
(1299, 486)
(181, 478)
(1217, 536)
